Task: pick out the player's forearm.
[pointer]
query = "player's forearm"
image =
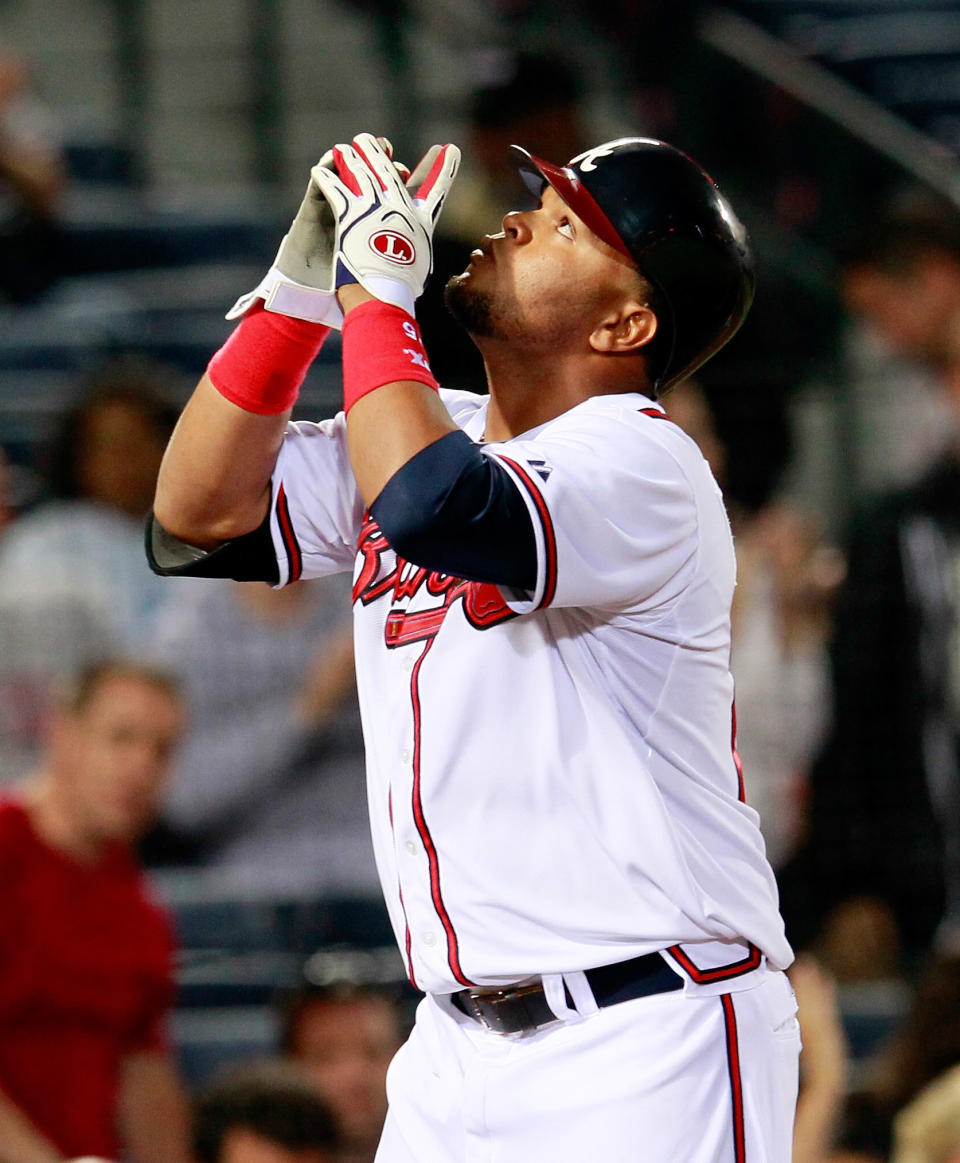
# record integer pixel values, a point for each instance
(438, 500)
(20, 1141)
(389, 426)
(214, 482)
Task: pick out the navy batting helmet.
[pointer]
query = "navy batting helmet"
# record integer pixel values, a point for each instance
(658, 207)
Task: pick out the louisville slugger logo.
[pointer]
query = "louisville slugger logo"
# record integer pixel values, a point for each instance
(483, 605)
(393, 247)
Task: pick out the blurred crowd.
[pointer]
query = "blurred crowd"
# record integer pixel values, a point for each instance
(204, 729)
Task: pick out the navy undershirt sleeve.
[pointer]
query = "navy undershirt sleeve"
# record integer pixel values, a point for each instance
(454, 510)
(247, 558)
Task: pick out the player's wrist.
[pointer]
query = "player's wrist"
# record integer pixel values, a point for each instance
(381, 345)
(284, 295)
(352, 295)
(262, 365)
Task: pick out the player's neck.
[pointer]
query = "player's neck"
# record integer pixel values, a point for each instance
(526, 394)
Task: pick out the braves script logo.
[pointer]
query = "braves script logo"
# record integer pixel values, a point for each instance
(393, 247)
(483, 606)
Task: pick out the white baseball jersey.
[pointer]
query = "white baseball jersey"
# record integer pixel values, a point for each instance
(552, 778)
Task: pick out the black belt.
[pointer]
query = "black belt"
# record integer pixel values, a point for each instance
(524, 1007)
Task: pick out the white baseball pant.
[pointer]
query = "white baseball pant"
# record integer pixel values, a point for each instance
(673, 1078)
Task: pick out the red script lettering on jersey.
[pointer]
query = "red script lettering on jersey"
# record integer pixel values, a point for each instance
(483, 605)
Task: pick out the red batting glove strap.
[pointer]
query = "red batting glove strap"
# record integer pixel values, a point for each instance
(381, 345)
(262, 365)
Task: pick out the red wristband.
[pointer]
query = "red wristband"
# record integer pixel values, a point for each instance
(381, 345)
(262, 365)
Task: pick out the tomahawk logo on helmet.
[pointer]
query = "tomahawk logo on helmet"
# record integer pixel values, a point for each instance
(655, 205)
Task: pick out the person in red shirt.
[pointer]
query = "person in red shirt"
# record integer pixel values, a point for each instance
(85, 953)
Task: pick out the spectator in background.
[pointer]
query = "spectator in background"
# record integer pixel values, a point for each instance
(885, 812)
(85, 954)
(823, 1063)
(263, 1113)
(344, 1037)
(928, 1130)
(32, 178)
(269, 787)
(902, 276)
(901, 298)
(102, 469)
(927, 1044)
(74, 585)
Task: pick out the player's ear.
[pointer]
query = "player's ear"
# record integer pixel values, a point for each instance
(625, 329)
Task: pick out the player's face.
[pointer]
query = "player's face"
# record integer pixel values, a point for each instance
(543, 282)
(113, 758)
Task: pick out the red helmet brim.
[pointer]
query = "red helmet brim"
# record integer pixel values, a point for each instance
(573, 192)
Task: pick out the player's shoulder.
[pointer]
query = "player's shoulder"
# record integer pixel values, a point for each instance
(634, 411)
(629, 425)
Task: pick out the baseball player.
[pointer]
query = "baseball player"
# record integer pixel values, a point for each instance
(542, 584)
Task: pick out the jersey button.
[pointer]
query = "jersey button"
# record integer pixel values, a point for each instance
(408, 664)
(405, 755)
(430, 939)
(411, 847)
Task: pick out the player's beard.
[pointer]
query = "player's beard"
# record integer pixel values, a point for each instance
(471, 308)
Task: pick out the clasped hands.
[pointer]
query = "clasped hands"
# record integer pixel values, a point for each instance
(364, 219)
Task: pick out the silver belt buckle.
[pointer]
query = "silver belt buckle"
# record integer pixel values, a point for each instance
(492, 998)
(478, 1011)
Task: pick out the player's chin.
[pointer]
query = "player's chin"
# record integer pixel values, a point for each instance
(471, 307)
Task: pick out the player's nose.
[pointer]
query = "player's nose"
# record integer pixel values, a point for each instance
(516, 225)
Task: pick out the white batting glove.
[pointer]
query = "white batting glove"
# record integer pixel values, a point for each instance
(384, 227)
(300, 282)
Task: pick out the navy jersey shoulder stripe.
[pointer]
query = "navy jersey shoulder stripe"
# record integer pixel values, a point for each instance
(549, 535)
(455, 511)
